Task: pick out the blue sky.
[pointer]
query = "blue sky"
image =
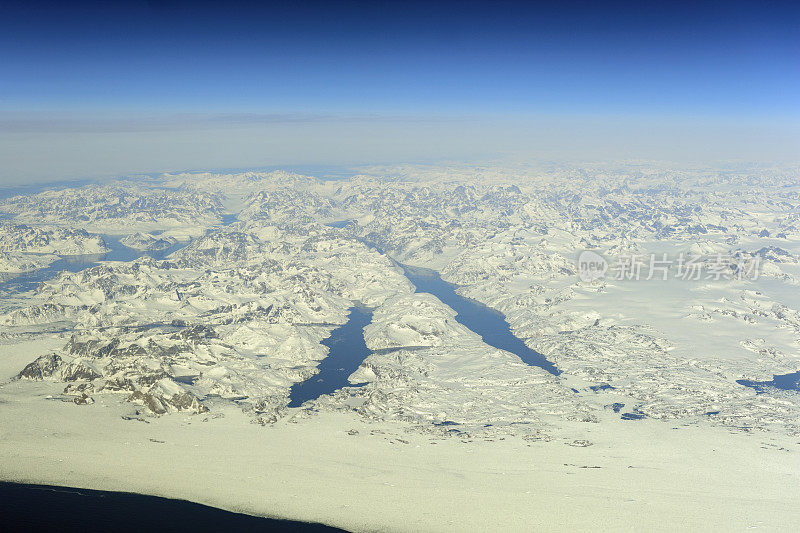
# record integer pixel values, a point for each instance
(134, 64)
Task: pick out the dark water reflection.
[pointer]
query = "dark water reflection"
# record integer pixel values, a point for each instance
(491, 325)
(50, 508)
(28, 281)
(347, 350)
(790, 382)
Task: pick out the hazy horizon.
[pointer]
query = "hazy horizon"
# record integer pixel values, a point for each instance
(91, 90)
(104, 148)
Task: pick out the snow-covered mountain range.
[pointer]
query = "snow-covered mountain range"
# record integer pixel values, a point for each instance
(239, 313)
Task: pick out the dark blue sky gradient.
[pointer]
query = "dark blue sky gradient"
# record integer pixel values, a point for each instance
(109, 88)
(641, 58)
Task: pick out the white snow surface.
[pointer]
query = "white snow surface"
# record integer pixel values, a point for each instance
(173, 376)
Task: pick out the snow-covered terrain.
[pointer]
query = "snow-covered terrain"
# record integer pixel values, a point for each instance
(117, 208)
(651, 353)
(24, 248)
(148, 242)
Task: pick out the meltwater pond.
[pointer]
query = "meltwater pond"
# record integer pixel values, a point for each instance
(789, 382)
(486, 322)
(338, 224)
(347, 350)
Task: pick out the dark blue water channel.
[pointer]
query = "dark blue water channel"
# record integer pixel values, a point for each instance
(486, 322)
(64, 509)
(28, 281)
(779, 381)
(347, 350)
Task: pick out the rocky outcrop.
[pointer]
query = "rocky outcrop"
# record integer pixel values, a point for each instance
(43, 367)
